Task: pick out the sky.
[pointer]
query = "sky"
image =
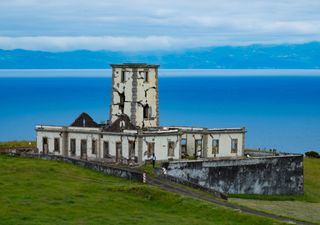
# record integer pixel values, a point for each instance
(140, 25)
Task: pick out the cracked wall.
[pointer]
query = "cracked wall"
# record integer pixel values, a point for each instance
(279, 175)
(132, 92)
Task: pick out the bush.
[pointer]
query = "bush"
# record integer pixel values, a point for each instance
(312, 154)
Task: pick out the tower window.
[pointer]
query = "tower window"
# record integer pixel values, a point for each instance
(123, 76)
(146, 112)
(146, 77)
(122, 100)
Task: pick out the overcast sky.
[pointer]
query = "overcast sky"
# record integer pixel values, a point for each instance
(138, 25)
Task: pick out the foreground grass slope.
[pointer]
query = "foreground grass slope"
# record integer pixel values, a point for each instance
(47, 192)
(301, 207)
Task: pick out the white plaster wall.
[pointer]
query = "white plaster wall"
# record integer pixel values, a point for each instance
(161, 146)
(121, 87)
(83, 136)
(150, 88)
(112, 139)
(51, 135)
(191, 142)
(225, 144)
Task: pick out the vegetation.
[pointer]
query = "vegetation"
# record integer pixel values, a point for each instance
(312, 154)
(17, 144)
(49, 192)
(148, 168)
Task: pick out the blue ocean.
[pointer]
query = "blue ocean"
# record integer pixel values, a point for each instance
(279, 112)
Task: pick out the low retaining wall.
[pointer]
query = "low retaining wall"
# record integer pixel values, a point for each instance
(276, 175)
(196, 186)
(106, 169)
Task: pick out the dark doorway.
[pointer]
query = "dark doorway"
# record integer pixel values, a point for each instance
(83, 149)
(118, 151)
(45, 147)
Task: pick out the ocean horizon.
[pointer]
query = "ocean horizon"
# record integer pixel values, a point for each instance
(163, 72)
(279, 110)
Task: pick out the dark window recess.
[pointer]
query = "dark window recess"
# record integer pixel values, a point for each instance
(198, 147)
(83, 148)
(146, 77)
(183, 146)
(123, 76)
(215, 146)
(131, 149)
(57, 144)
(122, 100)
(94, 147)
(146, 110)
(73, 147)
(105, 149)
(45, 146)
(170, 148)
(150, 149)
(234, 145)
(118, 151)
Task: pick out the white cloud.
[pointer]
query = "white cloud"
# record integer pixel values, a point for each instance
(94, 43)
(150, 25)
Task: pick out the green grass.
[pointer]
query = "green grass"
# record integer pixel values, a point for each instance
(48, 192)
(311, 186)
(148, 168)
(15, 144)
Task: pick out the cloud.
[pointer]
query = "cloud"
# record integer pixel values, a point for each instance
(94, 43)
(134, 25)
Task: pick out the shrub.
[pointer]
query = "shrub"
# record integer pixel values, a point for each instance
(312, 154)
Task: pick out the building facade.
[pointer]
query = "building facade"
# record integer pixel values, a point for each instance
(133, 134)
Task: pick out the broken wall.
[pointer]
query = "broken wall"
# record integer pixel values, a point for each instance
(278, 175)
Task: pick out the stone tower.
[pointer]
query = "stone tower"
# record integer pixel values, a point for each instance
(135, 94)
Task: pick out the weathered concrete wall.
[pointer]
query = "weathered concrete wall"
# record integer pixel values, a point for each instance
(277, 175)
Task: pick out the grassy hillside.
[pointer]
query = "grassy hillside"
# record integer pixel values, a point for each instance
(17, 144)
(48, 192)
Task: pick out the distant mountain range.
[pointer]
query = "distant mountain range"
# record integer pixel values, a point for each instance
(290, 56)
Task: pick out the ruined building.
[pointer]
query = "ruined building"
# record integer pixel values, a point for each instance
(132, 133)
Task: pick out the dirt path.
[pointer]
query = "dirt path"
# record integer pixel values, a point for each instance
(171, 187)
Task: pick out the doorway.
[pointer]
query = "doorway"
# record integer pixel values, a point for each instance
(45, 147)
(83, 149)
(118, 151)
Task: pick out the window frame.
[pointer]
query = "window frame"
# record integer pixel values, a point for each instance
(123, 76)
(56, 144)
(173, 147)
(146, 76)
(73, 146)
(215, 151)
(234, 145)
(94, 147)
(151, 150)
(106, 154)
